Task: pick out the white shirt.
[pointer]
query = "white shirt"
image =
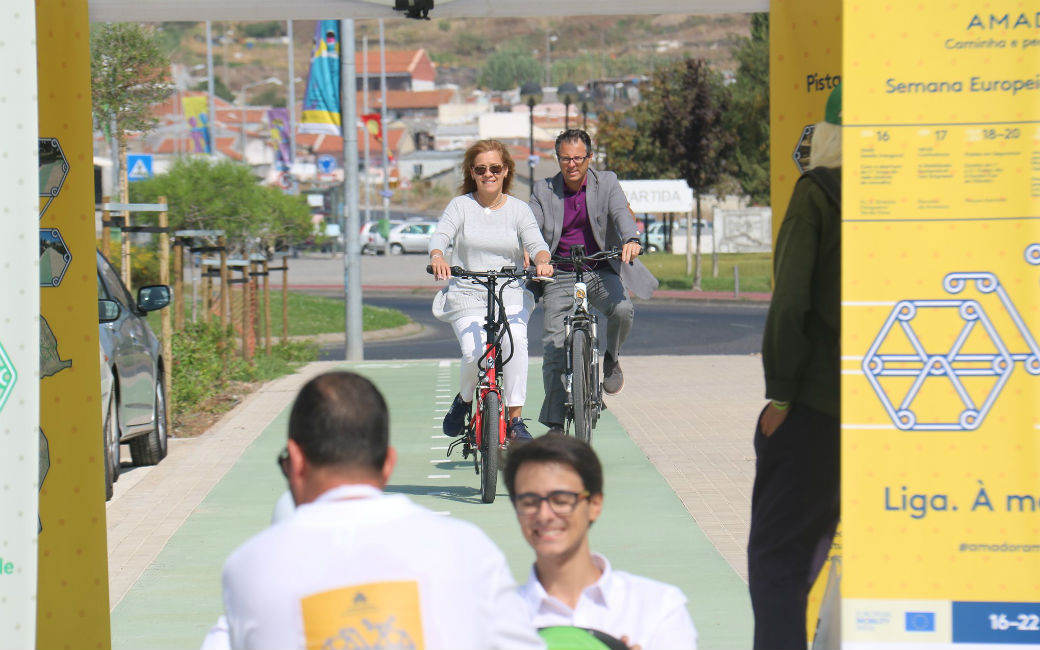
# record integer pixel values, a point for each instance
(484, 241)
(651, 614)
(358, 567)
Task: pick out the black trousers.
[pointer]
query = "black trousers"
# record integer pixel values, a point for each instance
(795, 508)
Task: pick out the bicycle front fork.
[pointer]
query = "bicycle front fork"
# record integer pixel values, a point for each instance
(584, 322)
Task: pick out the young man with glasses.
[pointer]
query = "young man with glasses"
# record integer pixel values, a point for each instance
(352, 566)
(582, 206)
(556, 485)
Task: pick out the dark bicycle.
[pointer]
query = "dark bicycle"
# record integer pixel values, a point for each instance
(581, 350)
(484, 435)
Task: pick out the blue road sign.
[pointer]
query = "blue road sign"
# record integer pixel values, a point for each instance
(139, 166)
(326, 163)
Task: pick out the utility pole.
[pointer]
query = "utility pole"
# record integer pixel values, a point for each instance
(211, 123)
(382, 119)
(367, 109)
(292, 107)
(355, 350)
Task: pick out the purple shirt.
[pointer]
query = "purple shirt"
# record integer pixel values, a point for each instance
(577, 230)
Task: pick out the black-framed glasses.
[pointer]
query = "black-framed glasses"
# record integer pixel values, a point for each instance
(480, 170)
(283, 462)
(577, 160)
(562, 502)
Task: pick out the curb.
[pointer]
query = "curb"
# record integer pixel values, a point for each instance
(670, 294)
(411, 329)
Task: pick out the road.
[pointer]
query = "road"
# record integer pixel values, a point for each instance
(662, 327)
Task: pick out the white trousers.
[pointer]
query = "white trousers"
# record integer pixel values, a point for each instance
(473, 339)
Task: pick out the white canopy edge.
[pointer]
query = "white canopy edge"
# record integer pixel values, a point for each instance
(163, 10)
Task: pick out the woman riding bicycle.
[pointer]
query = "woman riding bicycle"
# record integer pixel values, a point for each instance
(489, 230)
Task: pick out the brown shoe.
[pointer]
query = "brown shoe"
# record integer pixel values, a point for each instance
(613, 378)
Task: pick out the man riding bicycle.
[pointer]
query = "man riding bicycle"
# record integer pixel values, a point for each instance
(584, 207)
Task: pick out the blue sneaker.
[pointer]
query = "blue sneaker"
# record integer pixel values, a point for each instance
(455, 419)
(517, 430)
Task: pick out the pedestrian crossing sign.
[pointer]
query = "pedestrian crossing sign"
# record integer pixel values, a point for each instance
(139, 167)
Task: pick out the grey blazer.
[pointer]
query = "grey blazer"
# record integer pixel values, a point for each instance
(612, 222)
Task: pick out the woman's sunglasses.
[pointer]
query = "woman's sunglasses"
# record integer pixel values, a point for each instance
(480, 170)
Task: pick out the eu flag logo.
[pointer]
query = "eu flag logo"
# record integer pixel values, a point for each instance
(920, 621)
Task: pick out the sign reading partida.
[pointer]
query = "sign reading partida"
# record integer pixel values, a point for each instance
(941, 365)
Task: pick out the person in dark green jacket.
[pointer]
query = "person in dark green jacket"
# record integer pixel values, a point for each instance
(795, 501)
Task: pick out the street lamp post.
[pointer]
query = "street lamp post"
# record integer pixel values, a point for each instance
(531, 94)
(549, 40)
(568, 94)
(242, 112)
(585, 98)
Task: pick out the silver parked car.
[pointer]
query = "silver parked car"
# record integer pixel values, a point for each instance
(411, 237)
(134, 404)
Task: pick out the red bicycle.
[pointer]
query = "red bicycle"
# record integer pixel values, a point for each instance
(484, 436)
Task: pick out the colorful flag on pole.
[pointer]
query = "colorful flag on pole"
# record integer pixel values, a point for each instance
(321, 110)
(374, 124)
(196, 112)
(279, 119)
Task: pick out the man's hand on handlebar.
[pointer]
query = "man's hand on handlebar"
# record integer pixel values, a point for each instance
(630, 251)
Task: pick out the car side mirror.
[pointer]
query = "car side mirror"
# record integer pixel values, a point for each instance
(108, 310)
(153, 297)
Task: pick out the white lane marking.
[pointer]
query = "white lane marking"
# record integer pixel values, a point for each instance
(443, 363)
(439, 476)
(438, 448)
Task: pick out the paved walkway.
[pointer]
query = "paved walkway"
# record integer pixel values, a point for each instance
(679, 464)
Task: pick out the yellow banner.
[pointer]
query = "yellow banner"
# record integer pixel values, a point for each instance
(941, 422)
(72, 610)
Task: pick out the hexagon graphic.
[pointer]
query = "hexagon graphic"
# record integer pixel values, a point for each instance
(917, 380)
(8, 377)
(54, 257)
(53, 169)
(801, 150)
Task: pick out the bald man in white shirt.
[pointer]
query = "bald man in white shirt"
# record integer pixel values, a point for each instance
(556, 485)
(354, 567)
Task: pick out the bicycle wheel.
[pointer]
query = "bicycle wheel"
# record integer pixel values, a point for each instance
(489, 424)
(581, 386)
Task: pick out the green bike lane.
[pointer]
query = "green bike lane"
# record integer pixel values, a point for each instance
(644, 528)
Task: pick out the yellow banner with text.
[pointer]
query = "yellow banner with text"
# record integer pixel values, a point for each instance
(941, 367)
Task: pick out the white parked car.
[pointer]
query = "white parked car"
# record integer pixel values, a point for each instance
(372, 241)
(411, 237)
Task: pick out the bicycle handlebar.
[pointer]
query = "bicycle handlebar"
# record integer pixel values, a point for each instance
(505, 272)
(577, 256)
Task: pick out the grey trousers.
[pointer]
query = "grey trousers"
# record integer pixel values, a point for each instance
(606, 294)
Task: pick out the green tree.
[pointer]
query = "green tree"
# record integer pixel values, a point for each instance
(686, 105)
(750, 114)
(129, 74)
(507, 69)
(226, 196)
(620, 136)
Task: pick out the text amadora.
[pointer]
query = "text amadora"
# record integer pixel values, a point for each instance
(1005, 21)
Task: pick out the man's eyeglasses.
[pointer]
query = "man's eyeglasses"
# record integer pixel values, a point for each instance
(480, 170)
(562, 502)
(283, 462)
(576, 160)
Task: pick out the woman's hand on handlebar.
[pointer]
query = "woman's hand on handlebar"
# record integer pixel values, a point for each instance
(543, 267)
(441, 269)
